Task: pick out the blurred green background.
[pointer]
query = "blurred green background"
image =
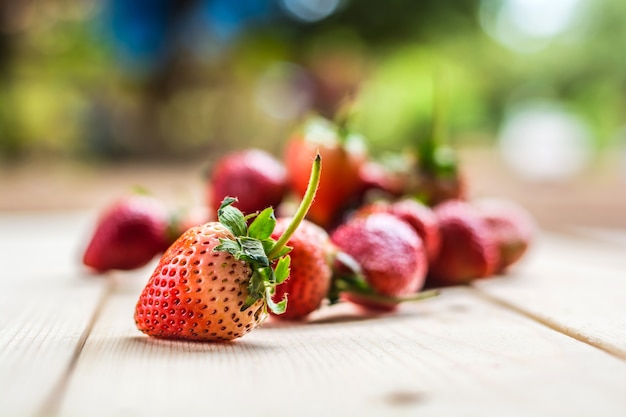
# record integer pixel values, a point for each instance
(155, 79)
(542, 83)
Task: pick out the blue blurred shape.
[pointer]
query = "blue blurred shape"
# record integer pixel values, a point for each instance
(140, 31)
(225, 19)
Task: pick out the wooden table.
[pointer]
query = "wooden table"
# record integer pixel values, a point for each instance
(547, 340)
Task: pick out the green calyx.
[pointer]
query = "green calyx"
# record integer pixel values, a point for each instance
(348, 278)
(252, 244)
(268, 258)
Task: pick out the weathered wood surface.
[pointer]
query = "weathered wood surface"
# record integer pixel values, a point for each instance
(574, 286)
(546, 340)
(46, 307)
(454, 355)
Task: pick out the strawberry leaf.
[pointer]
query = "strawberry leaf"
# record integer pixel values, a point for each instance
(250, 299)
(252, 251)
(263, 226)
(231, 246)
(232, 218)
(249, 217)
(256, 288)
(284, 251)
(281, 271)
(268, 244)
(276, 308)
(268, 277)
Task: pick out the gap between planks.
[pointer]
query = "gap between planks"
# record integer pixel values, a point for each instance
(553, 325)
(52, 403)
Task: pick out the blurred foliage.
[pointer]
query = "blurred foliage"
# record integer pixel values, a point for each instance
(180, 79)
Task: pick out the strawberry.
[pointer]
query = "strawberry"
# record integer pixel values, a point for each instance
(343, 155)
(255, 177)
(310, 276)
(512, 226)
(128, 234)
(389, 257)
(377, 178)
(420, 217)
(217, 281)
(468, 248)
(437, 188)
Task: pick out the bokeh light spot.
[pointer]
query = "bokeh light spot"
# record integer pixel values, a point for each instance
(528, 25)
(543, 142)
(284, 91)
(311, 10)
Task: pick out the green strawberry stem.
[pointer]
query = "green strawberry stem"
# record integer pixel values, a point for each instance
(305, 204)
(435, 156)
(369, 295)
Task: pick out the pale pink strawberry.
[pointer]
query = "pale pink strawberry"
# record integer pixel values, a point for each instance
(420, 217)
(511, 224)
(389, 252)
(197, 293)
(468, 248)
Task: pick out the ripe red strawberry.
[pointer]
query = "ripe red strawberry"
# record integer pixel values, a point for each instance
(217, 280)
(389, 254)
(375, 177)
(437, 188)
(343, 155)
(128, 234)
(256, 178)
(468, 248)
(420, 217)
(310, 276)
(512, 226)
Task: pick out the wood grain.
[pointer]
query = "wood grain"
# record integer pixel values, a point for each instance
(43, 246)
(526, 344)
(41, 331)
(616, 236)
(454, 354)
(574, 286)
(46, 305)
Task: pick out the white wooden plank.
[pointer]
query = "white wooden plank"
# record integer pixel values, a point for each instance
(613, 235)
(43, 246)
(46, 305)
(41, 329)
(574, 286)
(454, 355)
